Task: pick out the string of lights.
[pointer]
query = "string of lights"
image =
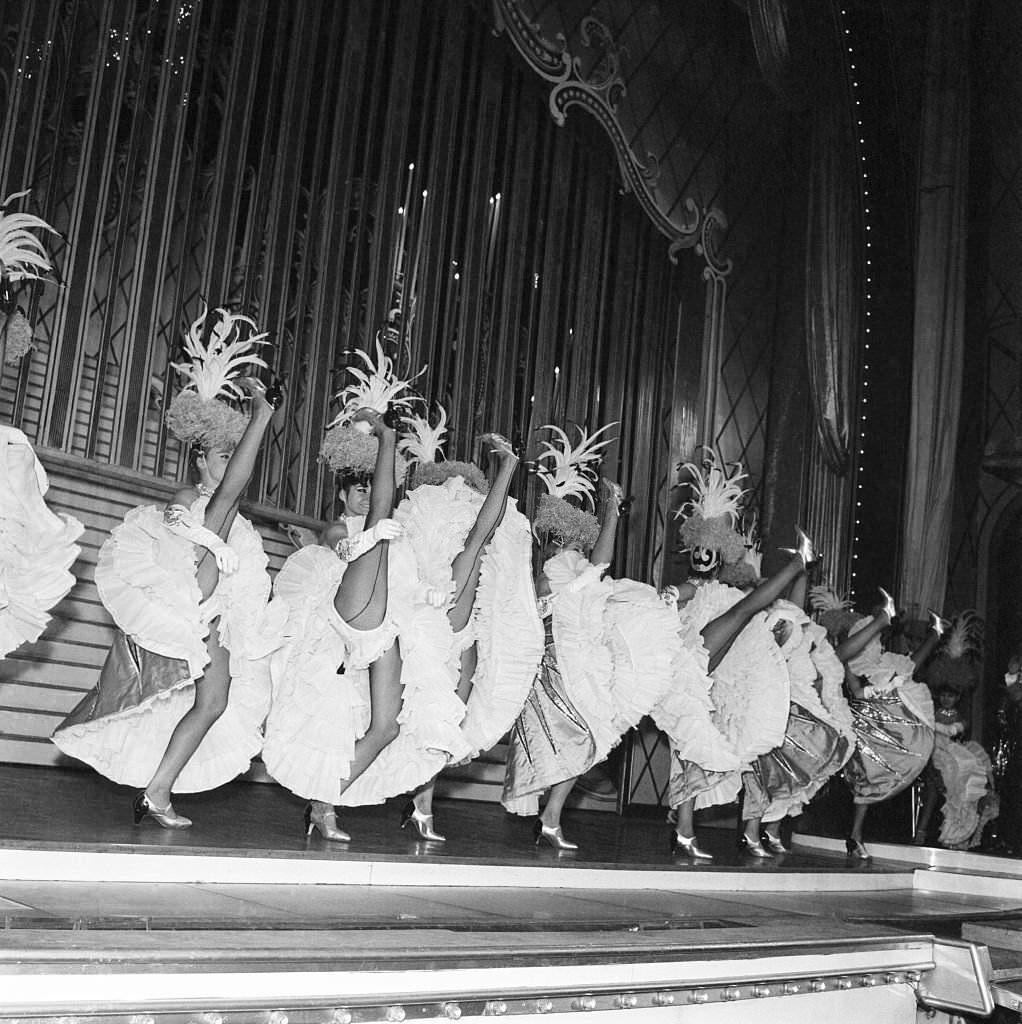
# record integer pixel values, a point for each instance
(861, 422)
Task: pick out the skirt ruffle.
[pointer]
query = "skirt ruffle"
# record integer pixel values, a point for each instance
(751, 692)
(37, 545)
(122, 727)
(320, 704)
(894, 734)
(965, 771)
(508, 633)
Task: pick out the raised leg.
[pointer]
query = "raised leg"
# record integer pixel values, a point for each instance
(466, 566)
(720, 633)
(361, 598)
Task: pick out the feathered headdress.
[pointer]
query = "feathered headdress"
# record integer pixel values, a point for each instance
(955, 666)
(22, 258)
(712, 513)
(747, 570)
(200, 413)
(422, 446)
(834, 613)
(570, 473)
(349, 447)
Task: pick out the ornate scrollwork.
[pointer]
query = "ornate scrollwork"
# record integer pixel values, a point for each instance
(599, 90)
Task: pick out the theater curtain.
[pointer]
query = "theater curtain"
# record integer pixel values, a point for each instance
(832, 279)
(939, 307)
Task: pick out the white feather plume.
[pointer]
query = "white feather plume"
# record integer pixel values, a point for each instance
(572, 470)
(212, 368)
(375, 387)
(22, 256)
(424, 442)
(965, 636)
(716, 488)
(823, 599)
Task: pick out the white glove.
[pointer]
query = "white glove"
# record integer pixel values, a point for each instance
(350, 548)
(180, 521)
(435, 597)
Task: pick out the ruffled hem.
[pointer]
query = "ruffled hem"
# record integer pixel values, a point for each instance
(429, 735)
(965, 771)
(37, 546)
(128, 745)
(751, 692)
(642, 633)
(320, 707)
(508, 633)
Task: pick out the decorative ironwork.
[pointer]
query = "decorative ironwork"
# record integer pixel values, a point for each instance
(598, 91)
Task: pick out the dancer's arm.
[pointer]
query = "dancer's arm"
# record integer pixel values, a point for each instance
(603, 549)
(223, 506)
(178, 519)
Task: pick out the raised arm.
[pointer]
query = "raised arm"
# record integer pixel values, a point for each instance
(603, 549)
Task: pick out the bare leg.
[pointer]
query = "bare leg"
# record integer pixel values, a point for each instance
(751, 827)
(551, 816)
(423, 797)
(926, 648)
(385, 699)
(931, 796)
(361, 598)
(720, 633)
(858, 819)
(684, 823)
(469, 660)
(466, 566)
(848, 650)
(211, 692)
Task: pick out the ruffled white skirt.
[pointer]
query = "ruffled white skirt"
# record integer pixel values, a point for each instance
(37, 546)
(146, 579)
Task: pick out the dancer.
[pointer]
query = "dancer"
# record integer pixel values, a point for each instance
(337, 681)
(610, 644)
(740, 709)
(893, 714)
(960, 769)
(37, 546)
(815, 747)
(471, 541)
(179, 703)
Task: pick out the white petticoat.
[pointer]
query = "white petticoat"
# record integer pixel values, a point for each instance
(146, 579)
(37, 546)
(750, 692)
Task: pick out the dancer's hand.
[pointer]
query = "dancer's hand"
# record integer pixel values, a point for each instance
(255, 389)
(226, 558)
(387, 529)
(435, 597)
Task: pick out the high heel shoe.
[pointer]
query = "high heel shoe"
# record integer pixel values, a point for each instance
(325, 823)
(804, 547)
(166, 817)
(938, 623)
(422, 823)
(554, 836)
(753, 847)
(774, 844)
(497, 444)
(688, 846)
(889, 608)
(856, 850)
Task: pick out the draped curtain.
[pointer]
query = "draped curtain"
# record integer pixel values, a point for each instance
(832, 279)
(938, 343)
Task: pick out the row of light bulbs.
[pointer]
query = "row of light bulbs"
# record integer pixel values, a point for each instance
(868, 296)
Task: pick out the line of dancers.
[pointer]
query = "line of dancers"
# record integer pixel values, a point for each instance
(412, 635)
